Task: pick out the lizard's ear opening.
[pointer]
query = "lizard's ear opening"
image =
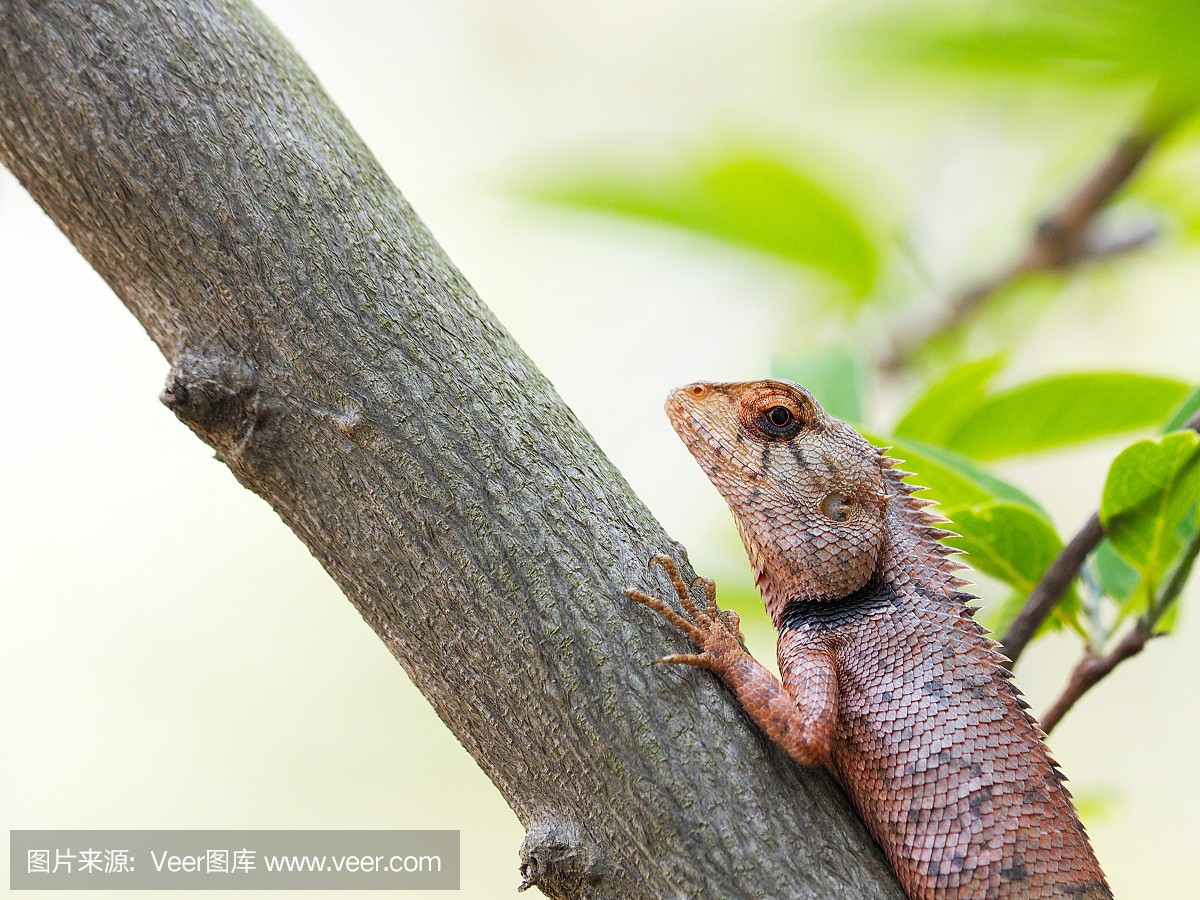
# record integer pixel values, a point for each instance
(837, 508)
(846, 541)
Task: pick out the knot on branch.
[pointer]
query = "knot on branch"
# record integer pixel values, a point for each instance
(1056, 244)
(220, 398)
(563, 863)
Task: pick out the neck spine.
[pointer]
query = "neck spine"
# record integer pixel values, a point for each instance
(912, 550)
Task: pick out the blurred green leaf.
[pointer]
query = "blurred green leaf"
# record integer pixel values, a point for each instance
(1083, 44)
(1166, 622)
(1117, 578)
(1181, 570)
(939, 413)
(745, 200)
(1168, 183)
(1013, 544)
(1000, 489)
(743, 598)
(1152, 487)
(1097, 804)
(1005, 532)
(952, 480)
(1185, 410)
(1063, 410)
(835, 376)
(996, 617)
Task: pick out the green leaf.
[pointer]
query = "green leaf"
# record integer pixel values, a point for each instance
(1080, 44)
(835, 376)
(1013, 544)
(1166, 624)
(1117, 578)
(1125, 585)
(745, 200)
(1006, 533)
(1181, 569)
(938, 413)
(1097, 804)
(1063, 410)
(1151, 489)
(998, 616)
(1167, 182)
(1185, 410)
(952, 479)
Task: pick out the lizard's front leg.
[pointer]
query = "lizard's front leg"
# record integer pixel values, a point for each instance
(800, 717)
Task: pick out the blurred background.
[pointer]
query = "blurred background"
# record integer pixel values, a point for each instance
(646, 194)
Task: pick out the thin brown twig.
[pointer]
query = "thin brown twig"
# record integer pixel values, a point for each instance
(1046, 594)
(1058, 577)
(1060, 240)
(1091, 669)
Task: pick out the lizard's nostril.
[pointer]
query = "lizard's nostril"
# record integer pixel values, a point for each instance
(697, 390)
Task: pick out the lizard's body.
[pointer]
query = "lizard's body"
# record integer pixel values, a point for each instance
(886, 677)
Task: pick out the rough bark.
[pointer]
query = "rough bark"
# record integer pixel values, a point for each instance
(342, 368)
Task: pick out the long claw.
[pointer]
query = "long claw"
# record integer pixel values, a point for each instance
(732, 621)
(708, 628)
(710, 597)
(681, 589)
(661, 559)
(666, 612)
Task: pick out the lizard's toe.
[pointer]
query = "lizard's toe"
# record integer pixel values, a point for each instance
(703, 660)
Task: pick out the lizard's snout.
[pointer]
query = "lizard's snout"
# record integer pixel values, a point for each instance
(681, 396)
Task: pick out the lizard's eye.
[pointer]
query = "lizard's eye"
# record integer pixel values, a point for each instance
(780, 416)
(770, 413)
(777, 422)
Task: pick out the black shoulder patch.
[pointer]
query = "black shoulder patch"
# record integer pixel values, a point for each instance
(823, 615)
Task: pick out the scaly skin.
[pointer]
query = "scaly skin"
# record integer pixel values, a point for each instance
(887, 679)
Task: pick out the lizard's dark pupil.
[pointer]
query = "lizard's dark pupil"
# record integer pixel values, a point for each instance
(779, 415)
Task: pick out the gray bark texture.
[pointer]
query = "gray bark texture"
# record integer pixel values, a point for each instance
(326, 348)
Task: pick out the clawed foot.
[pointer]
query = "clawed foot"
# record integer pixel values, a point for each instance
(716, 632)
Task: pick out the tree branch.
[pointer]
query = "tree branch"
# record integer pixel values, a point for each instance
(1090, 670)
(343, 369)
(1046, 594)
(1060, 241)
(1058, 577)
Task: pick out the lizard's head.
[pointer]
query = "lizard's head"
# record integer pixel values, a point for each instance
(807, 491)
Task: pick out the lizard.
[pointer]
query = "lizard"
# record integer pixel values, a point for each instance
(887, 679)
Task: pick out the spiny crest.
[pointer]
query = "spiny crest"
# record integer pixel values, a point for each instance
(925, 524)
(933, 553)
